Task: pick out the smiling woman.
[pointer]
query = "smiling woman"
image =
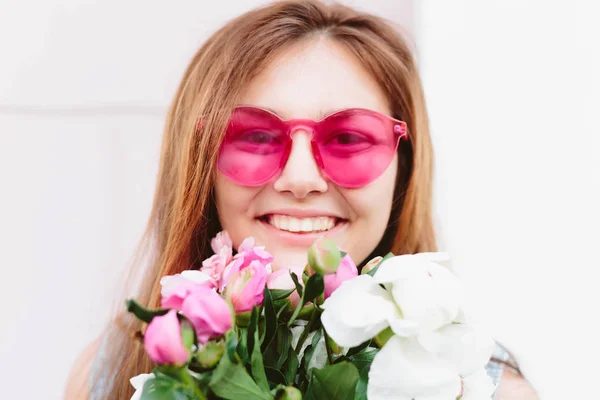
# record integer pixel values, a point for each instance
(293, 121)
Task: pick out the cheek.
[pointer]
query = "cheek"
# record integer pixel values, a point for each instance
(371, 206)
(374, 201)
(234, 205)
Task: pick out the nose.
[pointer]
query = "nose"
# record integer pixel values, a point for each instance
(301, 174)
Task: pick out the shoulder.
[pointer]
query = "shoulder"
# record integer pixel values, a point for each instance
(77, 387)
(514, 387)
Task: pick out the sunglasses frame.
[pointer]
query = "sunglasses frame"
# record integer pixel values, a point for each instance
(399, 130)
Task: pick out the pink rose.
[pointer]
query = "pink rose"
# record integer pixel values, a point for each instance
(175, 288)
(215, 265)
(247, 253)
(222, 240)
(246, 287)
(163, 342)
(346, 271)
(208, 312)
(281, 279)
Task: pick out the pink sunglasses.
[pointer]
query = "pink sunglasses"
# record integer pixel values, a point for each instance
(352, 147)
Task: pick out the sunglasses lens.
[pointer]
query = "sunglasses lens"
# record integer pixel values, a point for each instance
(253, 148)
(356, 147)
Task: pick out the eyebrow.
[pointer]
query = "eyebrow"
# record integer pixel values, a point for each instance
(322, 113)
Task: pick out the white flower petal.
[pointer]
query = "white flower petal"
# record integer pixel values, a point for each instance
(431, 296)
(441, 258)
(196, 276)
(403, 327)
(357, 311)
(171, 282)
(399, 267)
(468, 347)
(138, 384)
(404, 370)
(478, 386)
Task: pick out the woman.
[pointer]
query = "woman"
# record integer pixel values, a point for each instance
(227, 160)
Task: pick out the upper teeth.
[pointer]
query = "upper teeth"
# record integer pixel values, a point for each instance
(293, 224)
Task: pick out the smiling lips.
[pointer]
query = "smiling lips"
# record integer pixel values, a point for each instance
(301, 225)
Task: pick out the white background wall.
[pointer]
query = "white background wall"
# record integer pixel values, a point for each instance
(513, 92)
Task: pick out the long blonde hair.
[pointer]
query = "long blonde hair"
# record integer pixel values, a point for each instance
(184, 216)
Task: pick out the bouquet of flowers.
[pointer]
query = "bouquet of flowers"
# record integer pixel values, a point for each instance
(237, 330)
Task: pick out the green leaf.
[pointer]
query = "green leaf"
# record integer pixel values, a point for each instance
(231, 381)
(358, 349)
(315, 286)
(361, 385)
(271, 320)
(231, 341)
(281, 306)
(364, 358)
(143, 313)
(296, 283)
(374, 270)
(292, 366)
(256, 361)
(283, 344)
(163, 387)
(208, 356)
(184, 378)
(278, 294)
(275, 376)
(308, 353)
(333, 382)
(252, 328)
(242, 347)
(188, 334)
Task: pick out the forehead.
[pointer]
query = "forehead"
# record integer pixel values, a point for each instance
(314, 79)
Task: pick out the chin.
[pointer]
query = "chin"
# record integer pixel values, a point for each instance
(288, 257)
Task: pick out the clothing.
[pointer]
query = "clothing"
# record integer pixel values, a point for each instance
(494, 368)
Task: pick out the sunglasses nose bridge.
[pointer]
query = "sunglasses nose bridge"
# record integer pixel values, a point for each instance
(302, 125)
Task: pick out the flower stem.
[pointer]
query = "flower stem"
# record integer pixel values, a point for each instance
(198, 393)
(328, 347)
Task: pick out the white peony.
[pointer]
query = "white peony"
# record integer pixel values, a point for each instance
(420, 296)
(432, 345)
(138, 383)
(404, 370)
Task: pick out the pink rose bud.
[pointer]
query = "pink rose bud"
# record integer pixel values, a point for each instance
(175, 288)
(210, 354)
(324, 256)
(282, 280)
(208, 312)
(371, 264)
(346, 271)
(163, 341)
(246, 287)
(290, 393)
